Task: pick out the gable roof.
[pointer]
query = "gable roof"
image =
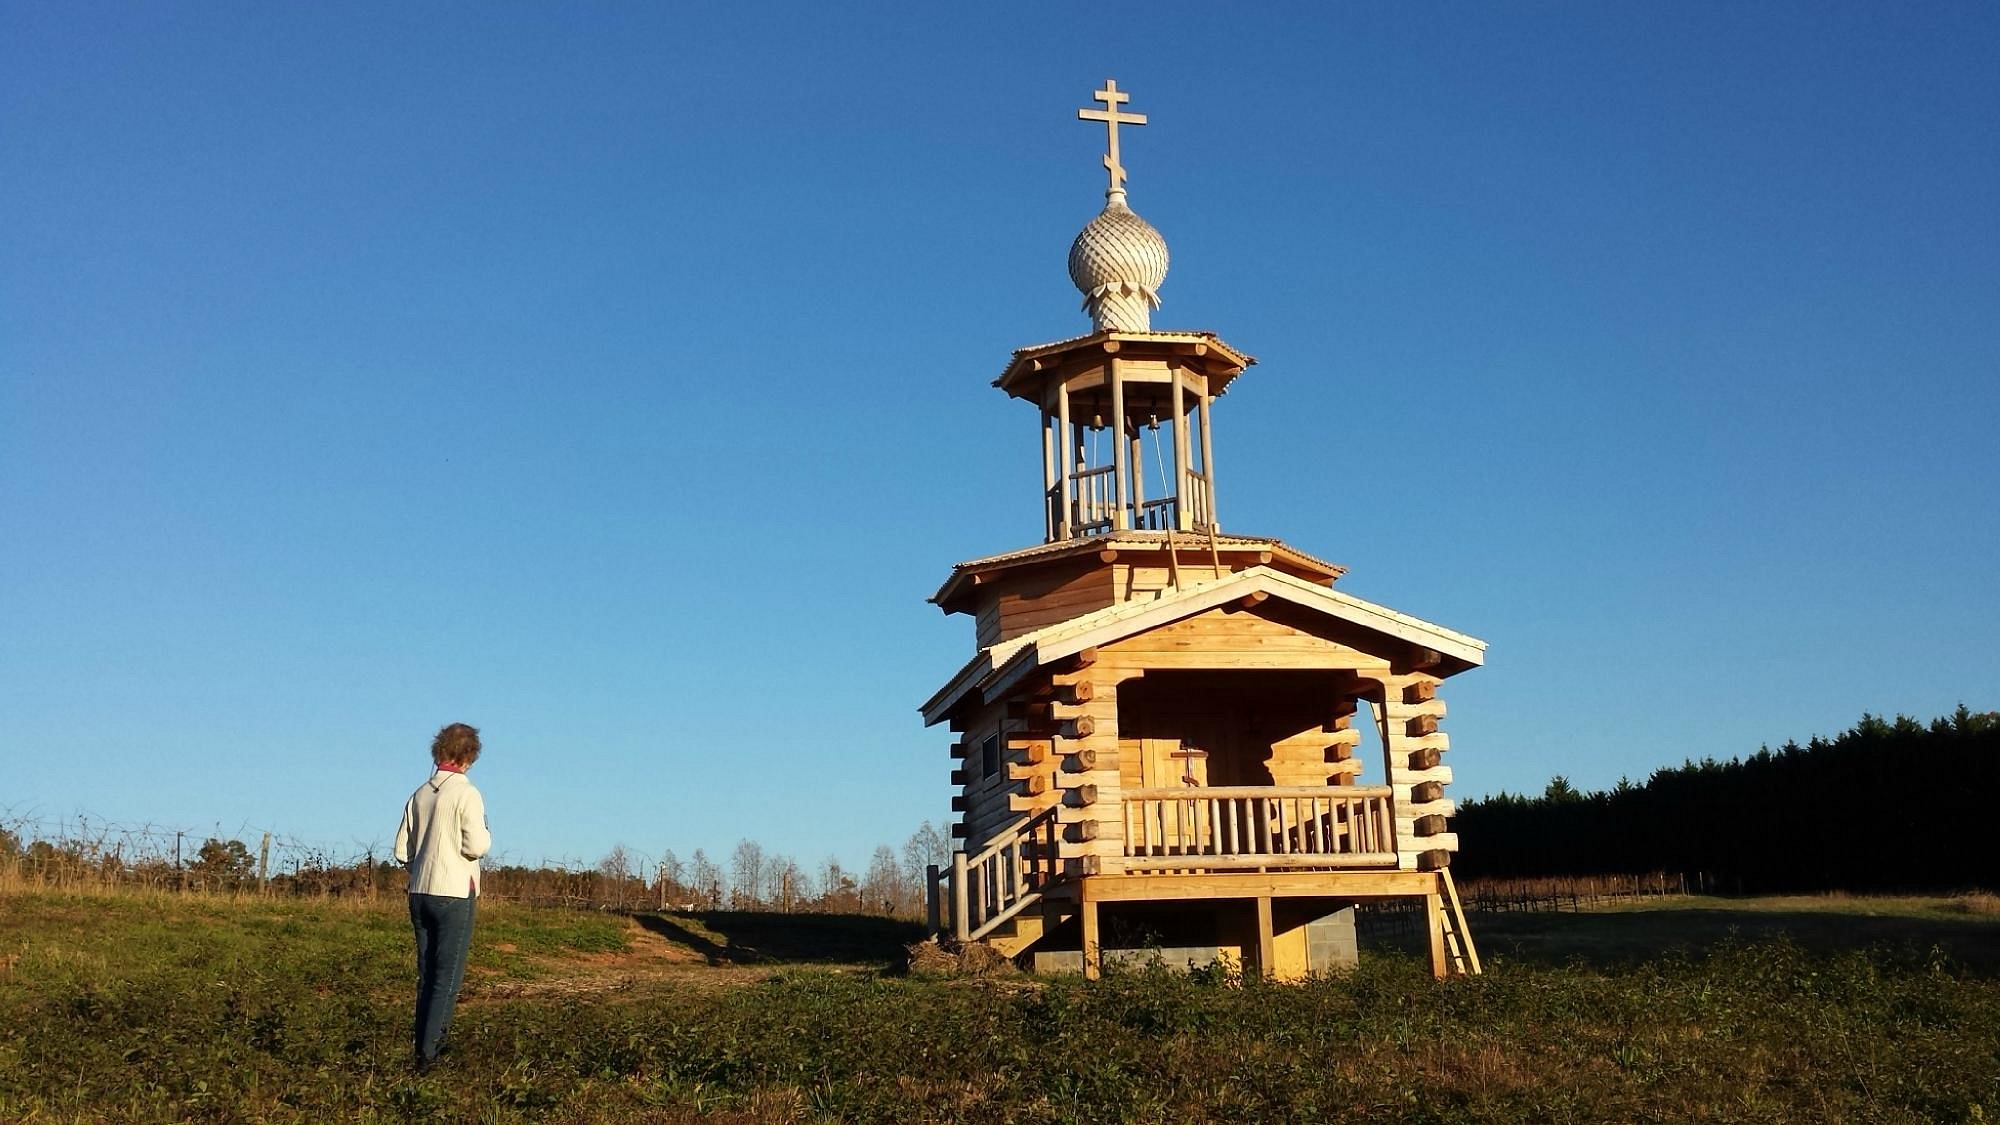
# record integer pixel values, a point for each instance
(999, 668)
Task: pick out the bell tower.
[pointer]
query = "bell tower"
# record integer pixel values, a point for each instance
(1161, 724)
(1127, 439)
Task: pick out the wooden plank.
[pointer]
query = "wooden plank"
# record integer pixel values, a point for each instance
(1277, 884)
(1093, 962)
(1434, 924)
(1180, 859)
(1266, 947)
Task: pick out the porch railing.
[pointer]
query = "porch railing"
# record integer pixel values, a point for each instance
(1225, 828)
(978, 892)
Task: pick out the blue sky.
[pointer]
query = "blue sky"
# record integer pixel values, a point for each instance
(616, 378)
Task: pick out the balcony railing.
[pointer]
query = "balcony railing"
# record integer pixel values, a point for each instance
(1248, 828)
(1093, 505)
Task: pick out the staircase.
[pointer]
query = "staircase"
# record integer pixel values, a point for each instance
(986, 896)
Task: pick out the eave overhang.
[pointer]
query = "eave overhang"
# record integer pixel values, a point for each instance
(998, 670)
(1201, 351)
(955, 594)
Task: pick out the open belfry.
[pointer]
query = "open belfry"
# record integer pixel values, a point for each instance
(1160, 741)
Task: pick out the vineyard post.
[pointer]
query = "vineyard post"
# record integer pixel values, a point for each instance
(180, 877)
(264, 865)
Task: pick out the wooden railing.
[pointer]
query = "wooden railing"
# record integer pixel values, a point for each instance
(1157, 515)
(1200, 511)
(1090, 498)
(1096, 492)
(1249, 827)
(985, 889)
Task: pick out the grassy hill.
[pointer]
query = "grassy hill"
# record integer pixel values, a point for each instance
(160, 1008)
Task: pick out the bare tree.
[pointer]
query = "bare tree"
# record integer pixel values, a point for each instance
(782, 882)
(706, 880)
(925, 846)
(746, 875)
(882, 887)
(836, 887)
(672, 873)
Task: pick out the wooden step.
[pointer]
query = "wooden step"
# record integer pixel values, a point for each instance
(1018, 933)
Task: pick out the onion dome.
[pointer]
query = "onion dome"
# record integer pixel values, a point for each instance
(1118, 263)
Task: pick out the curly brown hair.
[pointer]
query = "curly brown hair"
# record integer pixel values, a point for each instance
(457, 744)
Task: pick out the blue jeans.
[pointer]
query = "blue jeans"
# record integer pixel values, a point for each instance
(444, 936)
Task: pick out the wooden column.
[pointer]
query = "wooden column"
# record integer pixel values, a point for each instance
(933, 909)
(1122, 472)
(1063, 507)
(1093, 954)
(1267, 949)
(1434, 923)
(1208, 461)
(961, 902)
(1048, 474)
(1184, 517)
(1137, 459)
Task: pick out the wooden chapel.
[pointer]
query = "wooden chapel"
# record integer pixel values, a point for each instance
(1159, 733)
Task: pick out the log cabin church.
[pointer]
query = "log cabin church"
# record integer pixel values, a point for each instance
(1159, 734)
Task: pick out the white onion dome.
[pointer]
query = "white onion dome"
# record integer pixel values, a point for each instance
(1118, 263)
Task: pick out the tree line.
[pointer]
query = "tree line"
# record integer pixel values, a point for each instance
(87, 853)
(1885, 806)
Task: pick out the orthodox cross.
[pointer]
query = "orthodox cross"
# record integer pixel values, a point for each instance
(1112, 97)
(1188, 756)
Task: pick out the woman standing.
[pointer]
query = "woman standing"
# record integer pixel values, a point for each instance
(442, 836)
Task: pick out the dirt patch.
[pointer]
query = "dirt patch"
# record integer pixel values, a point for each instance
(647, 959)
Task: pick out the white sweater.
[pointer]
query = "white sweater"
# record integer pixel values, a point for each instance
(442, 836)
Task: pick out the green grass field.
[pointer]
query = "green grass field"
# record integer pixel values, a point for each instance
(141, 1008)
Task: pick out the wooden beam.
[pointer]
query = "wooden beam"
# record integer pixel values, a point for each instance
(1276, 884)
(1034, 714)
(1426, 792)
(1093, 954)
(1083, 726)
(1421, 725)
(1422, 691)
(1434, 922)
(1267, 949)
(1081, 832)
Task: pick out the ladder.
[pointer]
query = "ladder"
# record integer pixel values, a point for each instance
(1459, 953)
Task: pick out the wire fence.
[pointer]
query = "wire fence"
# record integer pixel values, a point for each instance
(1403, 920)
(84, 852)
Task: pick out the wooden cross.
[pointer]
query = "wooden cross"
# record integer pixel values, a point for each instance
(1188, 756)
(1112, 97)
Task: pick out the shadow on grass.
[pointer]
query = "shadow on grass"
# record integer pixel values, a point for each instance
(754, 938)
(1615, 939)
